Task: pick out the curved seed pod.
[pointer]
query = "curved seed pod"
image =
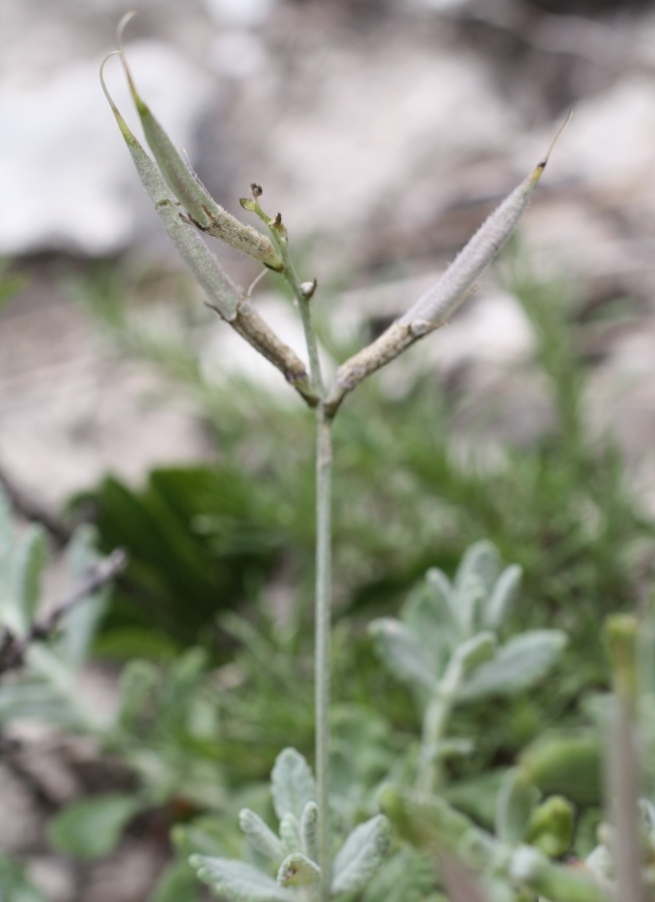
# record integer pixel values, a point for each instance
(439, 303)
(220, 289)
(203, 210)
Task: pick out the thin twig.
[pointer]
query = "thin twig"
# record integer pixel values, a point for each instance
(13, 648)
(31, 509)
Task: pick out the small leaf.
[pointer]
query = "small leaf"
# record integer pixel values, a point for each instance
(517, 664)
(400, 649)
(292, 784)
(360, 855)
(551, 827)
(290, 833)
(260, 835)
(298, 870)
(480, 561)
(92, 828)
(445, 601)
(309, 830)
(474, 652)
(32, 561)
(515, 803)
(502, 596)
(239, 882)
(137, 682)
(430, 619)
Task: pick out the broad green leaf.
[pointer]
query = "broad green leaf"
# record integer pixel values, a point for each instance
(298, 870)
(93, 827)
(292, 784)
(260, 835)
(569, 765)
(239, 882)
(360, 856)
(502, 597)
(515, 803)
(403, 653)
(517, 664)
(309, 831)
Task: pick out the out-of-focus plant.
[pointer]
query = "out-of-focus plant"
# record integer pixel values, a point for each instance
(446, 646)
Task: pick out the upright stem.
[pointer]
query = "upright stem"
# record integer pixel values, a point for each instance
(435, 722)
(323, 575)
(322, 652)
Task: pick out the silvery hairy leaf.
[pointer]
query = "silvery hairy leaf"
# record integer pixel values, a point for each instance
(309, 830)
(518, 664)
(239, 882)
(360, 855)
(290, 833)
(292, 784)
(502, 597)
(403, 652)
(260, 835)
(298, 870)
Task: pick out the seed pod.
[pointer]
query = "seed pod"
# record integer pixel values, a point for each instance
(203, 210)
(220, 289)
(439, 303)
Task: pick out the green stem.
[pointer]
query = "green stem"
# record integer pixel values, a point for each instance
(323, 570)
(322, 652)
(435, 722)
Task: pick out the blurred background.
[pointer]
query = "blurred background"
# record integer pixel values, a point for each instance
(384, 131)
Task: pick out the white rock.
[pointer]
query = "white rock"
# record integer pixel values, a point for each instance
(237, 53)
(240, 13)
(67, 178)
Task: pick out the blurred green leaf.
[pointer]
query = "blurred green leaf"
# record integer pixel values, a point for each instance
(92, 827)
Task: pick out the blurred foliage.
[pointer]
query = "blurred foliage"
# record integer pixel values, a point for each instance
(207, 538)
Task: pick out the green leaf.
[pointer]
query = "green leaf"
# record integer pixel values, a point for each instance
(430, 618)
(298, 870)
(14, 886)
(92, 828)
(22, 562)
(474, 652)
(27, 701)
(80, 624)
(178, 883)
(569, 765)
(515, 803)
(309, 830)
(137, 682)
(292, 784)
(517, 664)
(239, 882)
(403, 653)
(290, 833)
(260, 835)
(502, 597)
(361, 855)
